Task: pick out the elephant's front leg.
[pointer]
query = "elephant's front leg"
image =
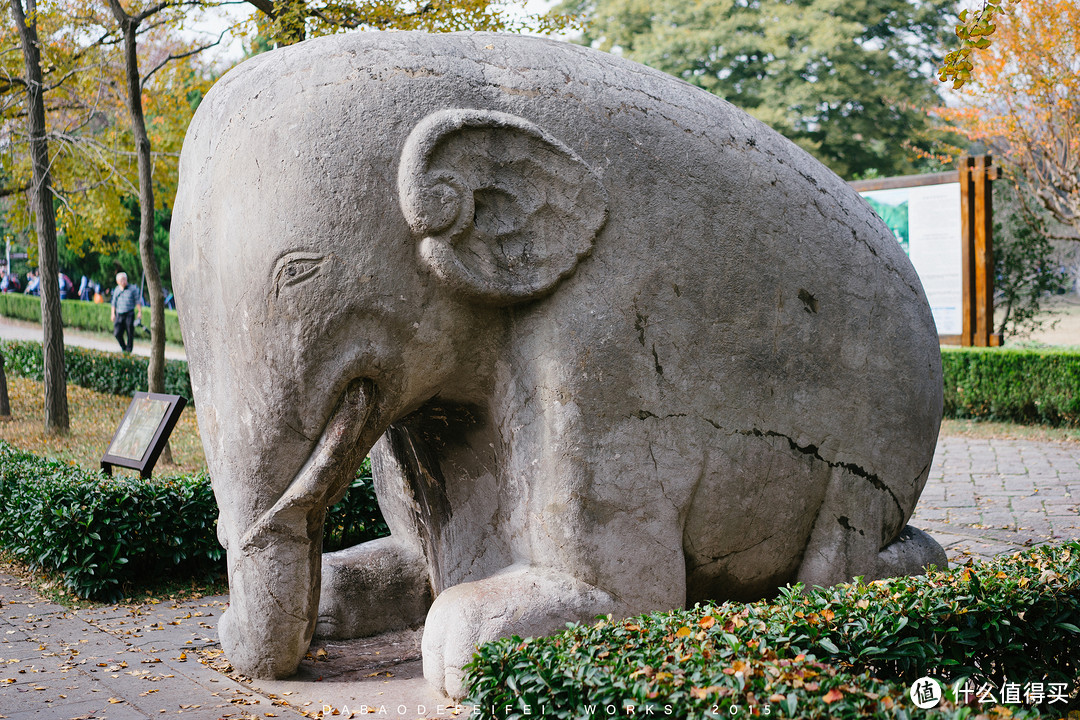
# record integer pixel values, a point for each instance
(381, 585)
(614, 550)
(524, 600)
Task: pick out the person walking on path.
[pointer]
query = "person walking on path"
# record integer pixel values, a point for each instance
(125, 302)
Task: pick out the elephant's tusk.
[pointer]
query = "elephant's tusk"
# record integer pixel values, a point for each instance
(336, 455)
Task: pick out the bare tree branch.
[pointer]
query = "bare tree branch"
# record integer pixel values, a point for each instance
(181, 56)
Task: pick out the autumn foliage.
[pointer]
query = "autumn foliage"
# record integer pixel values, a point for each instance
(847, 651)
(1024, 102)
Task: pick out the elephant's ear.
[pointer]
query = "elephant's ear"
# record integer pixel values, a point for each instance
(504, 211)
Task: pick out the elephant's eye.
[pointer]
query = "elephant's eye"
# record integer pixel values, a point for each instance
(297, 268)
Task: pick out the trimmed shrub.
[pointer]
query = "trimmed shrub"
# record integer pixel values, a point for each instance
(816, 653)
(1023, 386)
(78, 314)
(103, 536)
(21, 307)
(105, 372)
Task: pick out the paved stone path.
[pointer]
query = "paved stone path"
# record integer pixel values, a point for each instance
(983, 498)
(987, 497)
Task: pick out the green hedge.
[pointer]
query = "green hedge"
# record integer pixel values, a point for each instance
(1023, 386)
(817, 653)
(105, 536)
(79, 314)
(105, 372)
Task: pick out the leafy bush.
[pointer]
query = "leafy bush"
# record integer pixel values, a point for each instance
(105, 372)
(79, 314)
(106, 535)
(356, 518)
(1021, 386)
(808, 654)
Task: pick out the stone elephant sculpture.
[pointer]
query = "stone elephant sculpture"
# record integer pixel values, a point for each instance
(614, 346)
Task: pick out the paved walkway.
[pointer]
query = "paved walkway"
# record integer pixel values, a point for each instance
(984, 497)
(19, 330)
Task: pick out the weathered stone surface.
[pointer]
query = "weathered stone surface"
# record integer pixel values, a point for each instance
(624, 346)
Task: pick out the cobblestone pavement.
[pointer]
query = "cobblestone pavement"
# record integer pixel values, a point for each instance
(984, 497)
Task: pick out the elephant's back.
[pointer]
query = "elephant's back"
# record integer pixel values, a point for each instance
(736, 281)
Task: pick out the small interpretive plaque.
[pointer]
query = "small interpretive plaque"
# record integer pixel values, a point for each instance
(143, 432)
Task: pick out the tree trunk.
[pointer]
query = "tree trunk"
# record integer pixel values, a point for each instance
(41, 201)
(156, 370)
(5, 404)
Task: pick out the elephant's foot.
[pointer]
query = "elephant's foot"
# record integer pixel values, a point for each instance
(522, 600)
(372, 588)
(911, 553)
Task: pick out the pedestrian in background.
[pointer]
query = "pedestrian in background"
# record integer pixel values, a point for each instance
(126, 301)
(33, 283)
(9, 281)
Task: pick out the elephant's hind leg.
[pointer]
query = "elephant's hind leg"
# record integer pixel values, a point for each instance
(860, 531)
(372, 588)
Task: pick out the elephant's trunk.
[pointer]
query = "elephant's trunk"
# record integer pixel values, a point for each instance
(274, 569)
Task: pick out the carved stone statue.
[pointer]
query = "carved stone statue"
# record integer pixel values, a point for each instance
(614, 346)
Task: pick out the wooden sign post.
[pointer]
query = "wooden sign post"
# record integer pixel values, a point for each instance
(976, 272)
(977, 222)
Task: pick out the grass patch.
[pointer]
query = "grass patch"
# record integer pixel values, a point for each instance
(94, 418)
(989, 429)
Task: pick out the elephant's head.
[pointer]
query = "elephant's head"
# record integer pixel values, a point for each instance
(341, 256)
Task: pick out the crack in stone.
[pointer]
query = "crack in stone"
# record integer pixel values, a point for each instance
(812, 451)
(712, 560)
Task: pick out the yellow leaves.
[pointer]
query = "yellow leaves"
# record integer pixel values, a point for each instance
(702, 693)
(974, 31)
(94, 417)
(682, 632)
(832, 696)
(738, 667)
